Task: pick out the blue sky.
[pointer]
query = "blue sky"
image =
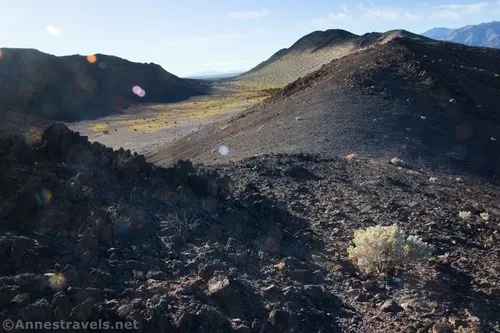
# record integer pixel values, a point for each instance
(194, 36)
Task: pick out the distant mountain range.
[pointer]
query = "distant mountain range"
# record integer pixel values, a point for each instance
(484, 34)
(77, 87)
(212, 75)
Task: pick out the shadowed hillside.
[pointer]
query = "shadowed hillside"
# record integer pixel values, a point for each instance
(76, 87)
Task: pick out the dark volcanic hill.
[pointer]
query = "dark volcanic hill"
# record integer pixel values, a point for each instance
(309, 53)
(72, 88)
(88, 234)
(484, 34)
(427, 102)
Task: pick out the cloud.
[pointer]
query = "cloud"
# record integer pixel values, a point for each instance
(391, 15)
(457, 11)
(369, 11)
(388, 14)
(332, 18)
(248, 14)
(53, 30)
(474, 8)
(329, 19)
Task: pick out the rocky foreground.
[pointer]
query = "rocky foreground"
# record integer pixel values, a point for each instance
(89, 233)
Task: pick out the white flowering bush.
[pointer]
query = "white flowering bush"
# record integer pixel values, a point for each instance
(380, 249)
(485, 216)
(397, 162)
(464, 214)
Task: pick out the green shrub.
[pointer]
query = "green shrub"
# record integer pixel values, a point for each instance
(381, 249)
(271, 91)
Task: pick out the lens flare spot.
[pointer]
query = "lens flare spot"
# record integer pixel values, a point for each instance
(53, 30)
(92, 58)
(56, 280)
(44, 197)
(223, 150)
(102, 65)
(138, 91)
(33, 137)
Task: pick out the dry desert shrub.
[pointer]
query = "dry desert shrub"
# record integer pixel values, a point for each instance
(397, 162)
(380, 249)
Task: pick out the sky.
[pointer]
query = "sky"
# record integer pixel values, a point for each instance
(196, 36)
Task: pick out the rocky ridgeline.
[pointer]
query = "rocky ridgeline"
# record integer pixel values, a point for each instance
(88, 233)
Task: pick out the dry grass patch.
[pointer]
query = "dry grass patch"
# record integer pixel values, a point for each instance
(100, 127)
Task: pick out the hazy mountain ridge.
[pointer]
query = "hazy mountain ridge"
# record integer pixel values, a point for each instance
(484, 34)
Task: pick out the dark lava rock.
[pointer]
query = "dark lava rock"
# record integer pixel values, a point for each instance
(7, 293)
(99, 278)
(242, 329)
(20, 246)
(88, 242)
(391, 306)
(316, 292)
(71, 275)
(22, 152)
(59, 139)
(271, 292)
(77, 295)
(156, 275)
(235, 297)
(238, 262)
(441, 328)
(83, 311)
(363, 297)
(61, 301)
(38, 311)
(370, 285)
(282, 320)
(27, 200)
(206, 319)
